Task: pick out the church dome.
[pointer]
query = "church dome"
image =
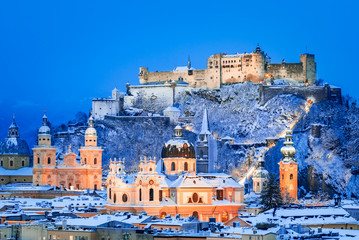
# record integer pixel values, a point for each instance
(44, 130)
(91, 132)
(14, 146)
(178, 147)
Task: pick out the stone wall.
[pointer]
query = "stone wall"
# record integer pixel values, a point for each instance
(313, 93)
(154, 98)
(18, 161)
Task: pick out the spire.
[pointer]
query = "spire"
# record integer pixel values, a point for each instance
(288, 150)
(258, 49)
(44, 119)
(91, 122)
(205, 124)
(189, 63)
(13, 129)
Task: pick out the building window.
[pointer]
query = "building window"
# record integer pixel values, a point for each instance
(195, 197)
(151, 194)
(124, 197)
(140, 194)
(95, 161)
(282, 176)
(173, 166)
(186, 166)
(1, 163)
(195, 214)
(85, 161)
(38, 160)
(48, 160)
(23, 163)
(219, 194)
(291, 177)
(95, 187)
(114, 198)
(11, 163)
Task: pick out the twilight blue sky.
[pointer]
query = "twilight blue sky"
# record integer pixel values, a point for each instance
(61, 54)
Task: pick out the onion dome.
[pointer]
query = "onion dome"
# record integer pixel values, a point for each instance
(91, 131)
(288, 150)
(13, 144)
(261, 172)
(178, 147)
(44, 129)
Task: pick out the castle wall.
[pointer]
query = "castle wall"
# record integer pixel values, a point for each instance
(314, 93)
(228, 69)
(287, 71)
(154, 97)
(102, 107)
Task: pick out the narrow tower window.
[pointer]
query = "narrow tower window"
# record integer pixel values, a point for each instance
(186, 166)
(95, 161)
(48, 160)
(173, 166)
(291, 177)
(151, 194)
(140, 195)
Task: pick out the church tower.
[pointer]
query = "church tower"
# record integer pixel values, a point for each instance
(288, 168)
(91, 157)
(206, 148)
(44, 156)
(260, 176)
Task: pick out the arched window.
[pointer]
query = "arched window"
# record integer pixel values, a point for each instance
(195, 214)
(258, 184)
(195, 197)
(48, 160)
(109, 192)
(140, 194)
(224, 216)
(95, 161)
(85, 161)
(151, 194)
(291, 177)
(38, 160)
(282, 176)
(186, 166)
(22, 163)
(173, 166)
(124, 197)
(11, 163)
(114, 198)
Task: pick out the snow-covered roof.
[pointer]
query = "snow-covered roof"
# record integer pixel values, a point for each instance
(171, 109)
(25, 171)
(14, 146)
(304, 216)
(182, 68)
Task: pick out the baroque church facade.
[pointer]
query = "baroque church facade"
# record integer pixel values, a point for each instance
(174, 184)
(73, 172)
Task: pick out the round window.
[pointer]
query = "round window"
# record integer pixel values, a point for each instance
(195, 197)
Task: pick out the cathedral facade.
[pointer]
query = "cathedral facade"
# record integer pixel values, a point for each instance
(172, 185)
(73, 172)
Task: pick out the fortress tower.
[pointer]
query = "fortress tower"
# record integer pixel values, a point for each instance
(288, 168)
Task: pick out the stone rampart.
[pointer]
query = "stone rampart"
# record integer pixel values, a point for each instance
(313, 93)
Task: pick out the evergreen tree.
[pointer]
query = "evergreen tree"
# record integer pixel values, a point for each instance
(271, 197)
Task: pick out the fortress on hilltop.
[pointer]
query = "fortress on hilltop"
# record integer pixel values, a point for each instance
(225, 69)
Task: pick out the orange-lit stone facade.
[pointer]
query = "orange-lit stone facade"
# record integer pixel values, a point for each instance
(170, 186)
(73, 172)
(289, 179)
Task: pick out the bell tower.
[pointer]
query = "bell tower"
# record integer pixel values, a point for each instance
(260, 176)
(44, 156)
(288, 169)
